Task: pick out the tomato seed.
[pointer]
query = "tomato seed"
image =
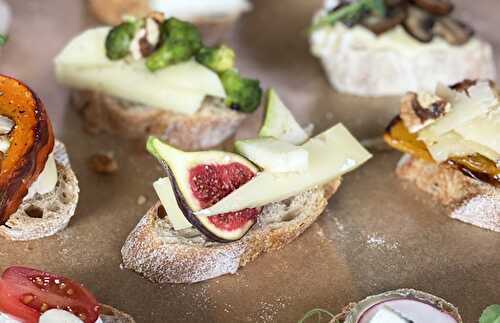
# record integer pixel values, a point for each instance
(70, 292)
(44, 307)
(28, 299)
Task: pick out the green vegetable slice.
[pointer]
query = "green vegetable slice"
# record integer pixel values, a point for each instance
(3, 39)
(491, 314)
(351, 12)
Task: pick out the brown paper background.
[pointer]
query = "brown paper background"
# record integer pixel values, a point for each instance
(377, 234)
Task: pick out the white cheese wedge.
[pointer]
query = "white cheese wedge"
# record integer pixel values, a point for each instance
(165, 192)
(388, 315)
(274, 155)
(464, 109)
(454, 145)
(198, 9)
(484, 130)
(46, 181)
(181, 88)
(6, 318)
(331, 154)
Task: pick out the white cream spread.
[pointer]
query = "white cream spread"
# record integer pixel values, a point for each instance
(198, 9)
(360, 62)
(46, 181)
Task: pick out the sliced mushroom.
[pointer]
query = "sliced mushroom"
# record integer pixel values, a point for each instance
(379, 25)
(435, 7)
(453, 31)
(419, 24)
(6, 125)
(395, 3)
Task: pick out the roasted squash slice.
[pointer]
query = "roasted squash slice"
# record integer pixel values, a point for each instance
(476, 166)
(31, 142)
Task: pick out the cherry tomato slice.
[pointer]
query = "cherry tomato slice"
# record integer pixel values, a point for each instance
(26, 293)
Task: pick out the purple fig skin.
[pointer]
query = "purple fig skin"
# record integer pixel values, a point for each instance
(191, 217)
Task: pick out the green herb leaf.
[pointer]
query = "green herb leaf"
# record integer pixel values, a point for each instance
(355, 9)
(491, 314)
(3, 39)
(318, 312)
(377, 6)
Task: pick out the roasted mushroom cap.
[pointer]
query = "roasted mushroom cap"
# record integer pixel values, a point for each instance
(31, 141)
(435, 7)
(379, 25)
(419, 24)
(453, 31)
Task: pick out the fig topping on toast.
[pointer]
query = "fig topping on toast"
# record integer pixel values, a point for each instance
(201, 179)
(31, 141)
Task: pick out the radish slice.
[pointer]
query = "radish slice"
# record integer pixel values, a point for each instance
(411, 309)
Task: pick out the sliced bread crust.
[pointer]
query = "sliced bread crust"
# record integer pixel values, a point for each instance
(110, 314)
(466, 199)
(44, 215)
(154, 250)
(211, 126)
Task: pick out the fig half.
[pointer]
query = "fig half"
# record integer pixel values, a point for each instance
(201, 179)
(31, 142)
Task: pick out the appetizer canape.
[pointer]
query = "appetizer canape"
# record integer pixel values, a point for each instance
(153, 76)
(388, 47)
(400, 306)
(38, 189)
(5, 17)
(451, 141)
(195, 11)
(32, 296)
(218, 211)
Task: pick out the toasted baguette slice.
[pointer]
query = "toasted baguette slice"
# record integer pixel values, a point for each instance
(364, 65)
(468, 200)
(212, 125)
(111, 12)
(110, 314)
(47, 214)
(163, 255)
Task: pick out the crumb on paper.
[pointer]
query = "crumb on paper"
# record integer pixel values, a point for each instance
(378, 241)
(103, 163)
(141, 200)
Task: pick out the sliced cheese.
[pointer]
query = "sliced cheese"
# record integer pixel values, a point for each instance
(484, 130)
(46, 181)
(454, 145)
(464, 109)
(331, 154)
(180, 88)
(274, 155)
(165, 192)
